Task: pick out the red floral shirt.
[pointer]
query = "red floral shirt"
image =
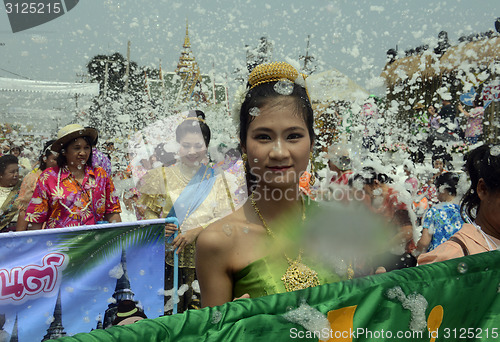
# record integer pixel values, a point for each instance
(61, 201)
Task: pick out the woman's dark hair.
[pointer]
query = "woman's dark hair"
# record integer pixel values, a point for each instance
(478, 101)
(449, 180)
(193, 124)
(61, 159)
(481, 163)
(15, 147)
(368, 176)
(46, 152)
(443, 156)
(262, 94)
(7, 160)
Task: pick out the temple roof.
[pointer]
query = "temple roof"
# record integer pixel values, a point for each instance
(187, 62)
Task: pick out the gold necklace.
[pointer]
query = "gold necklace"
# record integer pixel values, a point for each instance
(297, 276)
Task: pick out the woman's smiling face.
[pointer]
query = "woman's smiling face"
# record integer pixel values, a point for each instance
(278, 144)
(193, 150)
(77, 153)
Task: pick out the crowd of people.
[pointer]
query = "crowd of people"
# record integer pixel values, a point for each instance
(237, 237)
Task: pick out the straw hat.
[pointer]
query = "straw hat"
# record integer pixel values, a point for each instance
(73, 131)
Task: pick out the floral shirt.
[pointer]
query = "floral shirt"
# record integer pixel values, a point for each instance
(434, 122)
(475, 122)
(443, 220)
(61, 201)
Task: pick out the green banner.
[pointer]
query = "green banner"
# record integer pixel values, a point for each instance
(457, 300)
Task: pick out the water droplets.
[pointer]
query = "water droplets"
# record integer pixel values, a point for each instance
(462, 268)
(283, 87)
(196, 286)
(246, 230)
(254, 111)
(416, 303)
(182, 289)
(227, 229)
(307, 316)
(116, 272)
(495, 151)
(216, 317)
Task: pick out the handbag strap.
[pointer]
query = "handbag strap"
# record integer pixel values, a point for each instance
(461, 243)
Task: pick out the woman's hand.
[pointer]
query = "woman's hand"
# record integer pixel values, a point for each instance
(462, 110)
(170, 229)
(182, 239)
(246, 295)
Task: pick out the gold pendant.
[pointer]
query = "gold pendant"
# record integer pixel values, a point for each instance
(298, 276)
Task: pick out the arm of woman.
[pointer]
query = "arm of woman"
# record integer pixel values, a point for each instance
(22, 225)
(112, 202)
(35, 226)
(445, 251)
(404, 235)
(113, 217)
(212, 267)
(424, 242)
(184, 239)
(463, 111)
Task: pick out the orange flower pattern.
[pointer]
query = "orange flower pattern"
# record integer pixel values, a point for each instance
(66, 203)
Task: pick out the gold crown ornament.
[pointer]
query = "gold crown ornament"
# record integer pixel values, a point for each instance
(274, 72)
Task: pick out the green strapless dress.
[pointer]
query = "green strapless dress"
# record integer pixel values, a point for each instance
(263, 276)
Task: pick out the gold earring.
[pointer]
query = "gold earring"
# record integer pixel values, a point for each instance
(244, 158)
(312, 180)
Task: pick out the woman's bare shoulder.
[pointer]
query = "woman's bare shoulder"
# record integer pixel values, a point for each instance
(219, 235)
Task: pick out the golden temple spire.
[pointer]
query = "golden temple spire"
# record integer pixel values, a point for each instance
(187, 44)
(188, 69)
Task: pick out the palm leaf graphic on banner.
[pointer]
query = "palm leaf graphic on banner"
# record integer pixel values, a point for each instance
(88, 248)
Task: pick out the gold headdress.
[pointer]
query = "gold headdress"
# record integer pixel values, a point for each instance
(190, 115)
(194, 119)
(274, 72)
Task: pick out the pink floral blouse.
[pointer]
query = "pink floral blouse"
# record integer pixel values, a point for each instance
(61, 201)
(475, 122)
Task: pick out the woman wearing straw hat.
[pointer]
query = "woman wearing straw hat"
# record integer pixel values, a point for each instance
(73, 193)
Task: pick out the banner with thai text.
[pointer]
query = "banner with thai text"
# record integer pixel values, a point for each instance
(69, 280)
(456, 300)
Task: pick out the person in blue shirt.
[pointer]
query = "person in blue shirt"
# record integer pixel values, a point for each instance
(442, 220)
